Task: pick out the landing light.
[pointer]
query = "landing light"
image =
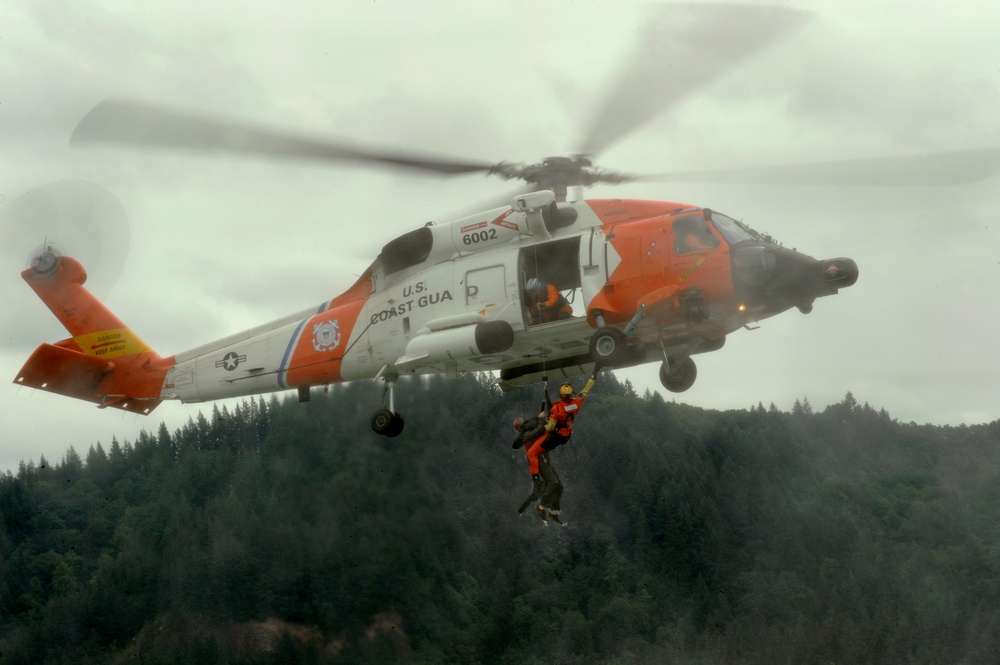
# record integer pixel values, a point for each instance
(742, 308)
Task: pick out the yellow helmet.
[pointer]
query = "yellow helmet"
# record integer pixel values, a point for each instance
(565, 390)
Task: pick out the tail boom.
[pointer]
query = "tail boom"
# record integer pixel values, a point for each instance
(104, 361)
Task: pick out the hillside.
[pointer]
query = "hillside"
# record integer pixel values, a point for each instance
(285, 532)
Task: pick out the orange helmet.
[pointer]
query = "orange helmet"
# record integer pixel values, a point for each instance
(518, 422)
(565, 390)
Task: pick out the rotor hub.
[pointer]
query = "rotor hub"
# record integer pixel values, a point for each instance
(44, 261)
(559, 173)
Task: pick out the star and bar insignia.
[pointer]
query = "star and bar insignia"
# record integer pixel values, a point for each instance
(230, 361)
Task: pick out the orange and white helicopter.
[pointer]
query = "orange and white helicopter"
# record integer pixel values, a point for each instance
(539, 285)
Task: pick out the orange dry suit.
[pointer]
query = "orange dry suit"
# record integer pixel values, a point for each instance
(559, 427)
(554, 306)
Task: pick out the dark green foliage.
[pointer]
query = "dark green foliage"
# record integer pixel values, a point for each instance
(289, 533)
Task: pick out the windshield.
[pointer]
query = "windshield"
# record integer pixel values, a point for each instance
(734, 231)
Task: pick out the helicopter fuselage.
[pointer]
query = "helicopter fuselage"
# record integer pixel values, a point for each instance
(636, 281)
(451, 298)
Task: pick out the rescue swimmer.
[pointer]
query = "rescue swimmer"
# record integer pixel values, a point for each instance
(539, 437)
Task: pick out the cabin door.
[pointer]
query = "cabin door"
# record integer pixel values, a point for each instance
(486, 290)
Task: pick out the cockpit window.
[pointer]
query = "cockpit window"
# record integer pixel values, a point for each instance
(732, 230)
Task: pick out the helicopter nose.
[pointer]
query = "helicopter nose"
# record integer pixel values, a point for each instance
(839, 273)
(779, 278)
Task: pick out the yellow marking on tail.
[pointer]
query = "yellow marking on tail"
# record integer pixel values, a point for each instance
(111, 343)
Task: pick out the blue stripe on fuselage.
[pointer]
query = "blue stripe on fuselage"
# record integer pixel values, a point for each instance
(291, 346)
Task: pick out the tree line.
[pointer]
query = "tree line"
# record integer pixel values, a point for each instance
(280, 532)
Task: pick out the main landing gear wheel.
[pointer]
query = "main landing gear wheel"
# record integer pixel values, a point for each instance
(387, 423)
(609, 347)
(679, 375)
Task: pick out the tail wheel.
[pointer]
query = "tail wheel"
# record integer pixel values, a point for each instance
(609, 346)
(680, 375)
(387, 423)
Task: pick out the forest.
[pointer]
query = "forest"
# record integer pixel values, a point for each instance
(280, 532)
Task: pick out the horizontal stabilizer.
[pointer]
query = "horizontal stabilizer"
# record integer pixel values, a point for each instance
(66, 372)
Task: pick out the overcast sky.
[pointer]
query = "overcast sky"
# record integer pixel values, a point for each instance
(213, 245)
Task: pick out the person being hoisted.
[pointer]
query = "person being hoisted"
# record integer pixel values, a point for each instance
(528, 430)
(557, 430)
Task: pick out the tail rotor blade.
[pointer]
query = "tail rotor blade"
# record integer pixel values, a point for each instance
(80, 217)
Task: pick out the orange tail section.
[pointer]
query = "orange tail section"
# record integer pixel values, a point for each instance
(104, 361)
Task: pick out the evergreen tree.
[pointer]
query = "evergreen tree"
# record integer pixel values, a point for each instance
(284, 532)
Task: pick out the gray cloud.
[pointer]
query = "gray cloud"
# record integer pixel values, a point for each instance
(218, 244)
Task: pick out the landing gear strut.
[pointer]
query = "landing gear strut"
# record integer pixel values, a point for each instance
(609, 347)
(386, 421)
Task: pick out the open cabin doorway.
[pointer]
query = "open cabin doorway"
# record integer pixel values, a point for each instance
(553, 264)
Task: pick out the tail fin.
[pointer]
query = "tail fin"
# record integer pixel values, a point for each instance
(104, 361)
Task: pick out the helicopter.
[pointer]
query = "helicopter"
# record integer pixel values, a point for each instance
(641, 280)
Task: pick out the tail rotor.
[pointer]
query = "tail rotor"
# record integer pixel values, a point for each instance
(45, 258)
(75, 217)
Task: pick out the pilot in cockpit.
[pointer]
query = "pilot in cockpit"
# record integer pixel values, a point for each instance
(691, 234)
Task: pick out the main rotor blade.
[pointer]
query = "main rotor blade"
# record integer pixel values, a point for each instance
(684, 47)
(944, 168)
(134, 123)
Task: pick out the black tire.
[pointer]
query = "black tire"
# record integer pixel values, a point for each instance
(609, 347)
(384, 423)
(397, 426)
(681, 376)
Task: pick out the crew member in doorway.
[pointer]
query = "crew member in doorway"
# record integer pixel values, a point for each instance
(545, 303)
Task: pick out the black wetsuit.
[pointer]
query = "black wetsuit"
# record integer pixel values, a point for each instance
(550, 493)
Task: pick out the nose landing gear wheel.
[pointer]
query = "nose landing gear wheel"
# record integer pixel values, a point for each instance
(387, 423)
(679, 375)
(609, 347)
